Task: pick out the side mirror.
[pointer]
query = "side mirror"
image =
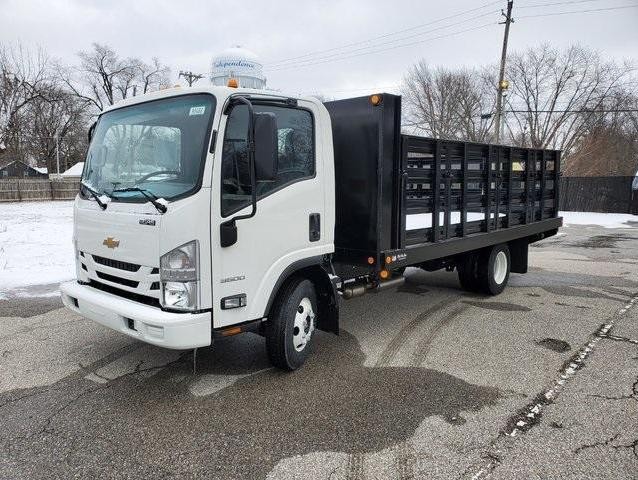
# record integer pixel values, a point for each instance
(91, 130)
(266, 146)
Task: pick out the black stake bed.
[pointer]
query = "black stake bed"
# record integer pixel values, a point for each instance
(416, 199)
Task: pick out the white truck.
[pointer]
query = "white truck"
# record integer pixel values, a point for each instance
(215, 211)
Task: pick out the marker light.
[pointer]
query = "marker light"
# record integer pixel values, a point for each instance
(227, 332)
(370, 261)
(388, 259)
(384, 274)
(232, 83)
(376, 99)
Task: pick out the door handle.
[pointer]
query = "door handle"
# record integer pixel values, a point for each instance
(314, 227)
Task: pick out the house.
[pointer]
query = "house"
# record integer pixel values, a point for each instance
(22, 170)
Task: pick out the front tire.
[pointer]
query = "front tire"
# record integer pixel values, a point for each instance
(291, 324)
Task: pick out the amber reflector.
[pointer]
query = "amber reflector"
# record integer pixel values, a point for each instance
(375, 99)
(231, 331)
(232, 83)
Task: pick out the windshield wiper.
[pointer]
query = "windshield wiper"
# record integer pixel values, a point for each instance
(95, 195)
(148, 194)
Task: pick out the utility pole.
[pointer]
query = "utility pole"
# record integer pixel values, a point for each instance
(190, 77)
(502, 83)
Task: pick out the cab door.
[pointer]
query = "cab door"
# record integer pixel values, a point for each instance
(289, 224)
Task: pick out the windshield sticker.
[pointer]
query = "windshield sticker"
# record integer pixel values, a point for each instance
(197, 111)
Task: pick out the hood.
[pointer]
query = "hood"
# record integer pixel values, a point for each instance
(124, 231)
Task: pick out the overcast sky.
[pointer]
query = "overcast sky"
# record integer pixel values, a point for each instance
(186, 34)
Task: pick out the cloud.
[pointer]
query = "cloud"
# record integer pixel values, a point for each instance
(186, 34)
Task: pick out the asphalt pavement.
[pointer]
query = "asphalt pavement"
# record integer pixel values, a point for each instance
(426, 381)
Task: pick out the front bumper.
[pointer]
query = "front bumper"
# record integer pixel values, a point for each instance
(166, 329)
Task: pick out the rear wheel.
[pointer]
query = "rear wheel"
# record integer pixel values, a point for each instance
(494, 269)
(291, 324)
(467, 270)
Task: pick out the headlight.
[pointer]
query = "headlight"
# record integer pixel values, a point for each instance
(179, 277)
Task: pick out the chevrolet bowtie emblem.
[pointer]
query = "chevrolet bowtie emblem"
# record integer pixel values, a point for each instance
(110, 242)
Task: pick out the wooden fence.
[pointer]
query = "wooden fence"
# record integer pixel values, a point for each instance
(23, 190)
(598, 194)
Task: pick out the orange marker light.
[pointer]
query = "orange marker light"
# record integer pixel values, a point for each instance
(375, 99)
(388, 259)
(232, 83)
(384, 274)
(370, 261)
(231, 331)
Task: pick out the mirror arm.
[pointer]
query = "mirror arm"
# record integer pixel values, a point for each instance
(228, 229)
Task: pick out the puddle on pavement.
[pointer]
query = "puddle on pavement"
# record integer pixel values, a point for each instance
(554, 344)
(332, 404)
(413, 288)
(601, 241)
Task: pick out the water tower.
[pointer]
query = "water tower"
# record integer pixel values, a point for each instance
(240, 64)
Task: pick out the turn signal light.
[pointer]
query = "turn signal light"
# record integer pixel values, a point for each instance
(232, 83)
(227, 332)
(384, 274)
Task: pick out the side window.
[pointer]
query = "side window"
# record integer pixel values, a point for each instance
(296, 160)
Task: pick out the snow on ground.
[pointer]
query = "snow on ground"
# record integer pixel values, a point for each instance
(35, 244)
(607, 220)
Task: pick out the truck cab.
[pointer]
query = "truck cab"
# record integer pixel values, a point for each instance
(196, 207)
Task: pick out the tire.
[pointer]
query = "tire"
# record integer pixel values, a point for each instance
(467, 269)
(494, 269)
(291, 324)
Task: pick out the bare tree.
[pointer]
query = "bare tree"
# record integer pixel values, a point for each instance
(153, 76)
(554, 95)
(609, 145)
(103, 77)
(447, 103)
(22, 74)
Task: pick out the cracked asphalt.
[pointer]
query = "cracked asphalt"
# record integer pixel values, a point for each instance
(423, 382)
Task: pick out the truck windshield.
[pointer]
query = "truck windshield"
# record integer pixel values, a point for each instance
(158, 147)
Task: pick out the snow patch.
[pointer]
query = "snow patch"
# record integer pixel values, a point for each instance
(35, 244)
(606, 220)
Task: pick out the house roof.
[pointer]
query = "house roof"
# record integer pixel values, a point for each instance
(41, 170)
(74, 171)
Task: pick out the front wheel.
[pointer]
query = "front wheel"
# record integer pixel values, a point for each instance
(291, 324)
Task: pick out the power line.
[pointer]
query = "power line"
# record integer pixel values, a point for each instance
(443, 27)
(570, 2)
(396, 32)
(578, 11)
(386, 49)
(621, 110)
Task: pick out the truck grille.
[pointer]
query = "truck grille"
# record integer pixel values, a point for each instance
(114, 279)
(129, 280)
(120, 265)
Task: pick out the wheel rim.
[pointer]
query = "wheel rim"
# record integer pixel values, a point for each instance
(500, 267)
(304, 324)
